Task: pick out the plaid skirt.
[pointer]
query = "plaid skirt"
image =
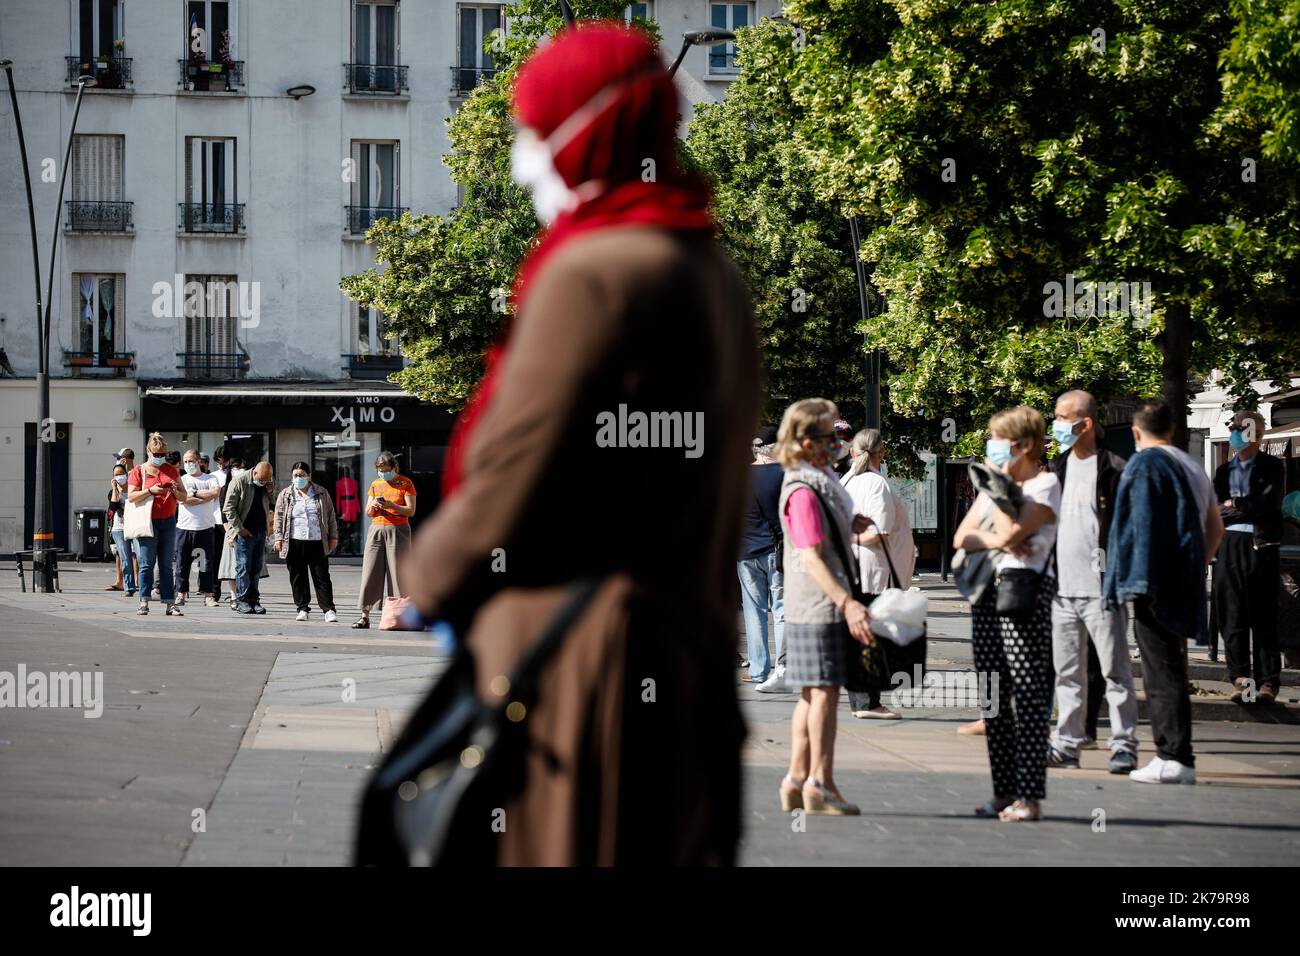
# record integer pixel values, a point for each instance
(814, 654)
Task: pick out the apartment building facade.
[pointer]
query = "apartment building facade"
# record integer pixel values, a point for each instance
(226, 166)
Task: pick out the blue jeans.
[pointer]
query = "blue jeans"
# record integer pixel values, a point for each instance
(158, 552)
(249, 552)
(125, 551)
(761, 582)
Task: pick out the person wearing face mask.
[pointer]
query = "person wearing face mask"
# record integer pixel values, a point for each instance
(195, 531)
(890, 531)
(1089, 476)
(234, 467)
(1249, 487)
(158, 484)
(306, 534)
(625, 299)
(123, 554)
(1011, 623)
(248, 510)
(390, 503)
(843, 451)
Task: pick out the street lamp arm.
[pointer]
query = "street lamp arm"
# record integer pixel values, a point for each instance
(31, 208)
(82, 83)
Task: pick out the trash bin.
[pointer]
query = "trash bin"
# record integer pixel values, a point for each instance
(91, 542)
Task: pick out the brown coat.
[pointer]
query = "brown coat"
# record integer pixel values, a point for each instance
(636, 735)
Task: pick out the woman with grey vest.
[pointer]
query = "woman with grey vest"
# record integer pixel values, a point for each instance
(821, 612)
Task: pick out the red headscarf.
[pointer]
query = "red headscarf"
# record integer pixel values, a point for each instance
(626, 105)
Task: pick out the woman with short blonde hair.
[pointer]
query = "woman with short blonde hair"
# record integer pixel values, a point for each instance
(822, 613)
(155, 481)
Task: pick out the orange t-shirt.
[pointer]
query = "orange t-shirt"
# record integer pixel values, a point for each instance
(396, 491)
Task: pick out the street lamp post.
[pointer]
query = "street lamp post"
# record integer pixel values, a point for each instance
(44, 559)
(699, 36)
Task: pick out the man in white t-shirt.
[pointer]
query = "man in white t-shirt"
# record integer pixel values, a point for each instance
(1089, 475)
(195, 537)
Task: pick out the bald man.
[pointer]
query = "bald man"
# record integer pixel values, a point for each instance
(1089, 475)
(248, 511)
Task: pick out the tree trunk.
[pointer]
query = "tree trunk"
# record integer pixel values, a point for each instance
(1176, 351)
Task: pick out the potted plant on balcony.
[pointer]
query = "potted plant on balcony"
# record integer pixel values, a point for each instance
(112, 78)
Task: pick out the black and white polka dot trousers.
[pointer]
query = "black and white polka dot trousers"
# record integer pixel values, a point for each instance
(1019, 652)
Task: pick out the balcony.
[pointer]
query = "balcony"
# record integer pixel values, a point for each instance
(465, 78)
(207, 218)
(370, 366)
(203, 76)
(110, 72)
(371, 78)
(119, 363)
(361, 218)
(213, 365)
(99, 216)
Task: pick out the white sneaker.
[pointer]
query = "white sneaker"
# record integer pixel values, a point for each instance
(775, 683)
(1160, 770)
(331, 617)
(302, 616)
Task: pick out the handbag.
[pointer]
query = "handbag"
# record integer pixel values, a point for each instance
(137, 519)
(459, 760)
(1018, 591)
(393, 615)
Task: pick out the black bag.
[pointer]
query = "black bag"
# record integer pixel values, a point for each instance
(458, 759)
(1018, 592)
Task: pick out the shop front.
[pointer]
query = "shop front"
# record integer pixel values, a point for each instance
(337, 428)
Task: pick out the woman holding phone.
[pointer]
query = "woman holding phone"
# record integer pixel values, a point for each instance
(157, 482)
(390, 503)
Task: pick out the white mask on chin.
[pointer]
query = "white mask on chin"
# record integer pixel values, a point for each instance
(532, 167)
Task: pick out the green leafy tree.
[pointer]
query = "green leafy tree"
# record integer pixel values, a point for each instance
(442, 282)
(996, 147)
(793, 249)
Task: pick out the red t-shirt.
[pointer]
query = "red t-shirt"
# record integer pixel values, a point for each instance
(164, 503)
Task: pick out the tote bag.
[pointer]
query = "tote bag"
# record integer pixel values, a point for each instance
(137, 519)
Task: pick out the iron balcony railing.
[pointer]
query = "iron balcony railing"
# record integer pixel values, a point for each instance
(79, 359)
(361, 218)
(370, 366)
(212, 217)
(213, 365)
(98, 216)
(212, 76)
(110, 72)
(465, 78)
(374, 78)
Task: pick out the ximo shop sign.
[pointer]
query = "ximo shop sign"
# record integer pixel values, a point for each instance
(367, 411)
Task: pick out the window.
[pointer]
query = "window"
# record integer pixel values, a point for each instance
(376, 193)
(99, 25)
(211, 190)
(644, 12)
(368, 339)
(727, 16)
(209, 25)
(98, 331)
(473, 62)
(97, 201)
(375, 46)
(211, 320)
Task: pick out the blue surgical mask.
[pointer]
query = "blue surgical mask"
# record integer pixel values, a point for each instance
(191, 468)
(386, 475)
(120, 479)
(1237, 440)
(1064, 434)
(299, 481)
(157, 460)
(258, 483)
(998, 451)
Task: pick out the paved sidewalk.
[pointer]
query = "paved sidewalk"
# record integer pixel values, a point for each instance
(270, 728)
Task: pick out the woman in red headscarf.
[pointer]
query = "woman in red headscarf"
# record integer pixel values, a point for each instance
(609, 439)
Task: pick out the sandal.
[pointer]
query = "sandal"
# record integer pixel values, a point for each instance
(791, 794)
(143, 608)
(993, 807)
(363, 624)
(1020, 812)
(174, 611)
(113, 587)
(818, 800)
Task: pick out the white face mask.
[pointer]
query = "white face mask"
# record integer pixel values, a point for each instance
(532, 167)
(236, 472)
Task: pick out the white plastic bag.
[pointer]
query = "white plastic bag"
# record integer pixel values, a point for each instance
(899, 615)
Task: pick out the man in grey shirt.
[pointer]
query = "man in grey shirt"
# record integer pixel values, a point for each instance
(1089, 475)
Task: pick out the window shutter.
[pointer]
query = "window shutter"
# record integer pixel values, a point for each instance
(115, 168)
(190, 144)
